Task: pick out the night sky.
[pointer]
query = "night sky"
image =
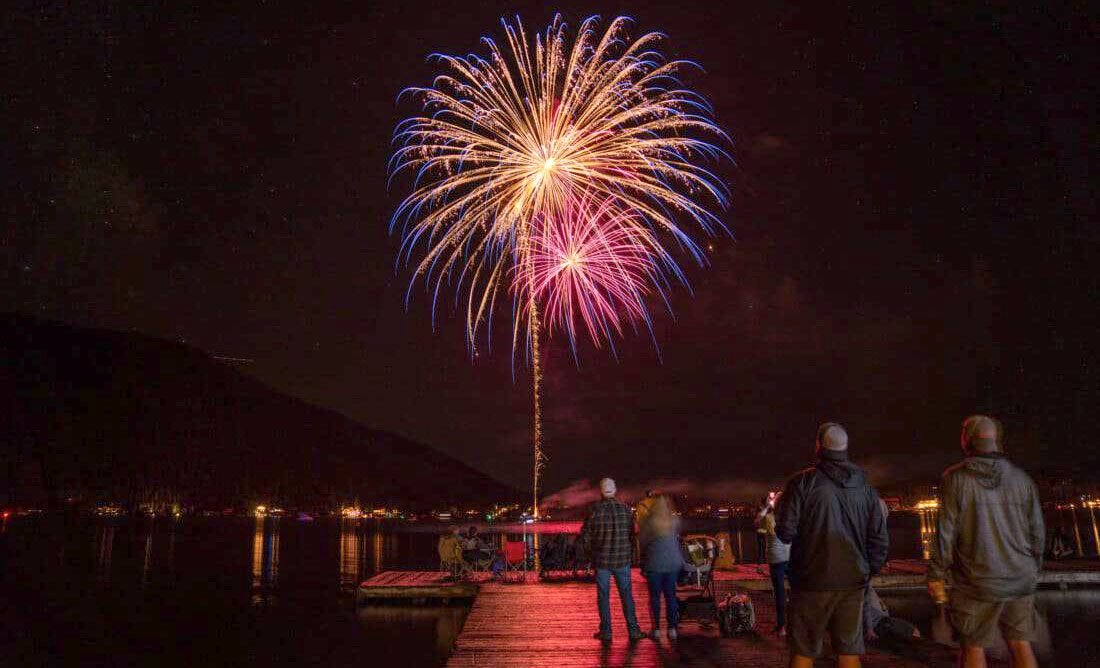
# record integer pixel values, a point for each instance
(913, 227)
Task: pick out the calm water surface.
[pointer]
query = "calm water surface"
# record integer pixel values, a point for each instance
(212, 592)
(240, 591)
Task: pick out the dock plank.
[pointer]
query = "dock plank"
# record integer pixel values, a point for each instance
(550, 625)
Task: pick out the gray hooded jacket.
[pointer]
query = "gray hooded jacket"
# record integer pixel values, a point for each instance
(991, 532)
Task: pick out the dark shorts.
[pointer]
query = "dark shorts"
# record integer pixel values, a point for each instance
(976, 621)
(815, 613)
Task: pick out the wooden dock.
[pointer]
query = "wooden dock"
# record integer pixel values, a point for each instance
(550, 624)
(418, 587)
(536, 623)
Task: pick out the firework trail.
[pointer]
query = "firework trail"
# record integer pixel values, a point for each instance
(506, 145)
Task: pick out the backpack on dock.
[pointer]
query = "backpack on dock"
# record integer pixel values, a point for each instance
(736, 615)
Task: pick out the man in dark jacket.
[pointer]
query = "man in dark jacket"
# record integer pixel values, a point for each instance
(834, 522)
(608, 534)
(991, 539)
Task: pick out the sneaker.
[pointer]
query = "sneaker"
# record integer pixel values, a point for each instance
(781, 631)
(602, 635)
(636, 634)
(655, 634)
(672, 634)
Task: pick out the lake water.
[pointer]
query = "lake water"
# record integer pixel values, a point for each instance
(241, 591)
(202, 592)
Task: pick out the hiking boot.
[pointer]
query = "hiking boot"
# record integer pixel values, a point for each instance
(602, 635)
(636, 634)
(672, 634)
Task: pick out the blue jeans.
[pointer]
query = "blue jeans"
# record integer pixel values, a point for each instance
(663, 584)
(626, 597)
(778, 573)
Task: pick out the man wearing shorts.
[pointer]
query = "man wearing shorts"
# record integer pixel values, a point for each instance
(834, 522)
(990, 539)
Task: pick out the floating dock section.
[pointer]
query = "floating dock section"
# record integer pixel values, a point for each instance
(417, 588)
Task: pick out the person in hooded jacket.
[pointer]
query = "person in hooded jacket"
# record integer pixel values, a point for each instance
(834, 523)
(991, 539)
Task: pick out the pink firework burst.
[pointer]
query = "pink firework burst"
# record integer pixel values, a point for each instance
(591, 263)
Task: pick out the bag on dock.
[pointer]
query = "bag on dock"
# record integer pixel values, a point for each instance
(736, 615)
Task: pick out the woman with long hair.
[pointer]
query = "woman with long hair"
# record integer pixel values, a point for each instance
(662, 562)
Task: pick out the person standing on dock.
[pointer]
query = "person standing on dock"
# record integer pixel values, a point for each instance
(990, 537)
(641, 511)
(762, 532)
(834, 523)
(662, 561)
(608, 534)
(779, 555)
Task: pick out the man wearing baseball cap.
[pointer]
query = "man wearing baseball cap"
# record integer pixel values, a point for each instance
(990, 539)
(608, 533)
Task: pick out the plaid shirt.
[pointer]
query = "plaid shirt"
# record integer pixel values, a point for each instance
(608, 533)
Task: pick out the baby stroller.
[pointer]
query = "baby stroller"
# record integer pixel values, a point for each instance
(700, 552)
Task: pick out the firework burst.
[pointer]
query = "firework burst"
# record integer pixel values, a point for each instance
(589, 264)
(515, 136)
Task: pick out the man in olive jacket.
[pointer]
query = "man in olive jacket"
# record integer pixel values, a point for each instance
(991, 539)
(837, 530)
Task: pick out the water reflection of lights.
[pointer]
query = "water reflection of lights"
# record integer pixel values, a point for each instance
(265, 559)
(148, 560)
(105, 542)
(1092, 506)
(258, 552)
(376, 550)
(927, 512)
(351, 555)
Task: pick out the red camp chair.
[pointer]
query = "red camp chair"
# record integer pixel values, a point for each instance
(515, 560)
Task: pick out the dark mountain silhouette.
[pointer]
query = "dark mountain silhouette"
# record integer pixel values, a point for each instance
(108, 415)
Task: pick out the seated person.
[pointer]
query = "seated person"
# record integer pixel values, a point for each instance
(878, 624)
(474, 549)
(554, 553)
(450, 548)
(498, 565)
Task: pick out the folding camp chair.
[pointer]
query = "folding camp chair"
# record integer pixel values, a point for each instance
(515, 560)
